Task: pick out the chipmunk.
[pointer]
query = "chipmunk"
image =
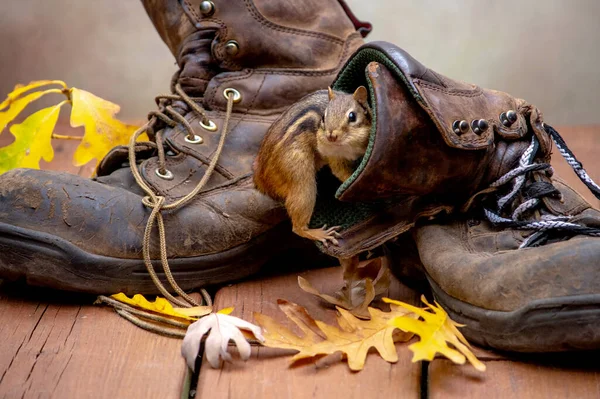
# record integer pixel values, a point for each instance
(324, 128)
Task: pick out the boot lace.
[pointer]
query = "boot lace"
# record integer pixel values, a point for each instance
(171, 117)
(525, 196)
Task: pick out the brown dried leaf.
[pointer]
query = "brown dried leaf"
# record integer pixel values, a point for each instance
(353, 337)
(363, 282)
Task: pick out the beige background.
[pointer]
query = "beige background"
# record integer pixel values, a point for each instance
(546, 51)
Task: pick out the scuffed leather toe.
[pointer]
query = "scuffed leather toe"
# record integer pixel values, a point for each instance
(505, 280)
(110, 221)
(72, 233)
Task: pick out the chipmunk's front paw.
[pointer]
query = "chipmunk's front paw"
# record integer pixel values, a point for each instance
(324, 235)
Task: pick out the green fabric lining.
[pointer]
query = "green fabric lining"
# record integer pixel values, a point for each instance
(354, 75)
(332, 212)
(328, 209)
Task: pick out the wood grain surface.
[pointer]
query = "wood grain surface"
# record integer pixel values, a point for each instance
(515, 379)
(268, 373)
(57, 345)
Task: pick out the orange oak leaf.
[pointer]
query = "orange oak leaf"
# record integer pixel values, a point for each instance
(354, 337)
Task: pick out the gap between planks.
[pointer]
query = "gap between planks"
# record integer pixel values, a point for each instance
(55, 347)
(267, 374)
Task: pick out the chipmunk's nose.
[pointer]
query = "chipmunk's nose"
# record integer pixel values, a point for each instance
(331, 137)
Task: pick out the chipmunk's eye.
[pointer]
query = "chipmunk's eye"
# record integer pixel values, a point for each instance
(352, 116)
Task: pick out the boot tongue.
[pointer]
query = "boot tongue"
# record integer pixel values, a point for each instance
(504, 158)
(197, 66)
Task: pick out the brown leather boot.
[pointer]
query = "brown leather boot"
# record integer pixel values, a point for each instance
(517, 259)
(241, 63)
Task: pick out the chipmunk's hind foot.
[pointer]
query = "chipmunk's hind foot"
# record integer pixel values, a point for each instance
(324, 235)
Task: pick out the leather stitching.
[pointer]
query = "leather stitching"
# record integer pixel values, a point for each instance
(476, 92)
(512, 131)
(480, 141)
(192, 11)
(199, 156)
(250, 106)
(294, 73)
(283, 71)
(483, 140)
(265, 22)
(244, 181)
(152, 164)
(438, 77)
(268, 24)
(226, 61)
(250, 117)
(222, 81)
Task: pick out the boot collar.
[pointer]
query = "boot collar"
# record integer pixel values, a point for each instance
(465, 116)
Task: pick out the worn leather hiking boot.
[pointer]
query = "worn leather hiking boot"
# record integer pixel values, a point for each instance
(190, 202)
(509, 294)
(507, 249)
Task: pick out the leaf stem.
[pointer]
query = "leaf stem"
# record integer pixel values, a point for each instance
(61, 83)
(57, 91)
(67, 92)
(64, 137)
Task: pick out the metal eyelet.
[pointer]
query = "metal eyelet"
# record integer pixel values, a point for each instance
(207, 8)
(168, 175)
(232, 47)
(195, 140)
(237, 96)
(509, 118)
(211, 126)
(460, 127)
(479, 126)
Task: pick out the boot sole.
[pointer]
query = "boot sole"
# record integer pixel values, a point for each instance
(549, 325)
(46, 260)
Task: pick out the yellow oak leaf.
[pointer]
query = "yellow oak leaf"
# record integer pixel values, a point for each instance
(354, 337)
(194, 311)
(436, 330)
(20, 89)
(15, 107)
(162, 306)
(32, 141)
(102, 130)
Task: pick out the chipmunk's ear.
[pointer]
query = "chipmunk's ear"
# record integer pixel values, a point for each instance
(361, 95)
(331, 94)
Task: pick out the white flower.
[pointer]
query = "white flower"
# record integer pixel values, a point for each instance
(221, 328)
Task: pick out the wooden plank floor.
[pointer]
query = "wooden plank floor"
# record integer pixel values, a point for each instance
(268, 375)
(57, 345)
(515, 379)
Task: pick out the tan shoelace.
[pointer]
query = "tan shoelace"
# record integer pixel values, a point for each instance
(157, 203)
